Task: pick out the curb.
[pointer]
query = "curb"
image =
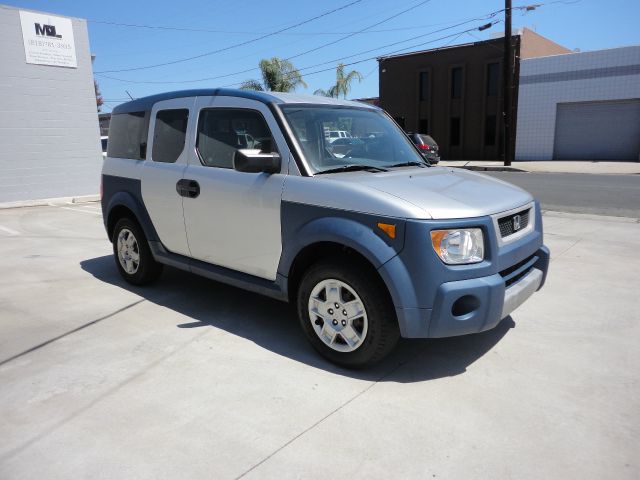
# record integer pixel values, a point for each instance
(50, 202)
(491, 168)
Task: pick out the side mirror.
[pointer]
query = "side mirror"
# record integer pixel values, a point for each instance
(255, 161)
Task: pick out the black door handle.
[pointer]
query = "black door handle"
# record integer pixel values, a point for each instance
(188, 188)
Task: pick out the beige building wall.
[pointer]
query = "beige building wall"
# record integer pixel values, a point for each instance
(534, 45)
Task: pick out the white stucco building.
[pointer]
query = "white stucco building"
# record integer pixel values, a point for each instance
(580, 106)
(49, 136)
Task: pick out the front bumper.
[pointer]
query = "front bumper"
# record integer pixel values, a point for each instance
(478, 304)
(436, 300)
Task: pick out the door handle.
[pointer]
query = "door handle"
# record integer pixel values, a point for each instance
(188, 188)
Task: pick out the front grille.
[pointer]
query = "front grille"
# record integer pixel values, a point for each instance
(509, 223)
(515, 272)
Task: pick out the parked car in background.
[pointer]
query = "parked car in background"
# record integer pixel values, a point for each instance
(333, 135)
(427, 146)
(103, 141)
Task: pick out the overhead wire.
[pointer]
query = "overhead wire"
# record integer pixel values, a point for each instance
(229, 47)
(217, 77)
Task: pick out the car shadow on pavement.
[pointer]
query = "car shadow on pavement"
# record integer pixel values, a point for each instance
(273, 325)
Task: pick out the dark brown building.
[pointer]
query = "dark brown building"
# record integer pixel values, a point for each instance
(454, 93)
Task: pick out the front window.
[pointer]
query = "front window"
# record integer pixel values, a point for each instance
(223, 131)
(373, 139)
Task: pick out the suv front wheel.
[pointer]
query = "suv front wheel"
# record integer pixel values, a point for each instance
(347, 314)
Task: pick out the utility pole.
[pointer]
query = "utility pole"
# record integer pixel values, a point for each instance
(506, 83)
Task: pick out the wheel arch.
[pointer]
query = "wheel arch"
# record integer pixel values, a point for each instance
(324, 237)
(316, 252)
(123, 204)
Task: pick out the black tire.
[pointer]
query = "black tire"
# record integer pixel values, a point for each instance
(382, 326)
(147, 269)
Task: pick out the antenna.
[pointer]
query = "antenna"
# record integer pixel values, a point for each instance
(127, 91)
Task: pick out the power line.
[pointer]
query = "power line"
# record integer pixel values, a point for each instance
(241, 32)
(456, 35)
(173, 62)
(217, 77)
(359, 31)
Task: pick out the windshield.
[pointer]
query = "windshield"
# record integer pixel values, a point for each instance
(372, 139)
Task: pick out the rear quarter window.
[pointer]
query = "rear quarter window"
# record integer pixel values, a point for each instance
(169, 135)
(128, 135)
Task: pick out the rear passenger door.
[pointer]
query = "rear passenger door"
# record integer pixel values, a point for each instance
(167, 153)
(234, 221)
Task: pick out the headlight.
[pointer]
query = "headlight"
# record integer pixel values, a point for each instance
(458, 246)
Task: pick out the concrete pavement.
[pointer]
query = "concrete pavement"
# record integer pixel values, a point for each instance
(193, 379)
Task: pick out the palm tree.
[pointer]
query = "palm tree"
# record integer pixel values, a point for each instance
(343, 83)
(278, 75)
(332, 92)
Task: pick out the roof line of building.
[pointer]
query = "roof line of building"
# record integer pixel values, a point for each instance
(448, 47)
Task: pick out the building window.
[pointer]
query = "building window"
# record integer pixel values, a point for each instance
(490, 130)
(424, 85)
(493, 79)
(456, 82)
(454, 132)
(424, 126)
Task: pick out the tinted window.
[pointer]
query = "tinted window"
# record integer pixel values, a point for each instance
(169, 134)
(492, 79)
(427, 140)
(490, 130)
(424, 85)
(223, 131)
(456, 82)
(128, 135)
(104, 144)
(454, 132)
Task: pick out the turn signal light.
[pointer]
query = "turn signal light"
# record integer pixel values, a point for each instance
(388, 228)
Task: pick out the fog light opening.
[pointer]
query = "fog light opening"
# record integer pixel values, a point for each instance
(465, 305)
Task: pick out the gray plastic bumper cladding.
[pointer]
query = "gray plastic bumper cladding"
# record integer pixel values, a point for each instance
(437, 300)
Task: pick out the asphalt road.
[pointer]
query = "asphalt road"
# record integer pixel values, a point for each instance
(614, 195)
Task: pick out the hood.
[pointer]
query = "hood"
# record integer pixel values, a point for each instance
(444, 192)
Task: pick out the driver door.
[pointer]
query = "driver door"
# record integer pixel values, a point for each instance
(234, 221)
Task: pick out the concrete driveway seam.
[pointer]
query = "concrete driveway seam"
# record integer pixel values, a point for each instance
(327, 416)
(77, 329)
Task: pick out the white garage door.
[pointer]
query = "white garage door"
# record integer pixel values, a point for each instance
(598, 130)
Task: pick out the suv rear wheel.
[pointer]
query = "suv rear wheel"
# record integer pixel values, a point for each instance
(132, 254)
(347, 314)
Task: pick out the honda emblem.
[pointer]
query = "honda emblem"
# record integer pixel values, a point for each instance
(516, 223)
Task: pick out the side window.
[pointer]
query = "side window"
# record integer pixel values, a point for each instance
(169, 134)
(456, 82)
(493, 79)
(223, 131)
(128, 135)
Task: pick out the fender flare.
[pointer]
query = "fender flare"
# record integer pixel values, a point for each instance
(360, 238)
(126, 199)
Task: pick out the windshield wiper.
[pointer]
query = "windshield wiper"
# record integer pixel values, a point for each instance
(353, 168)
(409, 164)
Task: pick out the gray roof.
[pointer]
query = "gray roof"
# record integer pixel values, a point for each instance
(146, 103)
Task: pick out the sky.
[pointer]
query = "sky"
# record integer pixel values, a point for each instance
(230, 38)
